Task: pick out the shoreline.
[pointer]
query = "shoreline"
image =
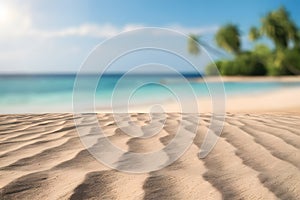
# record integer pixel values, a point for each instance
(283, 100)
(248, 78)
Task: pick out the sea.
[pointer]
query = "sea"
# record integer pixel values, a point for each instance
(43, 93)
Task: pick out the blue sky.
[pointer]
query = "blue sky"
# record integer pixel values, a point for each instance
(56, 36)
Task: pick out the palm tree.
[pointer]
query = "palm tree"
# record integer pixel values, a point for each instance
(254, 34)
(228, 38)
(278, 26)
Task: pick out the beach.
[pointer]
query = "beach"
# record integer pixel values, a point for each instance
(150, 100)
(284, 99)
(256, 157)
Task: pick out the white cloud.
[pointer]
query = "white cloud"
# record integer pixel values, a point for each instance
(15, 22)
(85, 30)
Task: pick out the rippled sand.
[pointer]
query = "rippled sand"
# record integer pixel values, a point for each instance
(257, 157)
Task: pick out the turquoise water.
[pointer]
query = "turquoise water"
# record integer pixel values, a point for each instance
(53, 93)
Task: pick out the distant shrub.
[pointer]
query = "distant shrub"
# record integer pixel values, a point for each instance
(245, 64)
(213, 69)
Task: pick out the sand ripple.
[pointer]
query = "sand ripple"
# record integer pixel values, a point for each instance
(257, 157)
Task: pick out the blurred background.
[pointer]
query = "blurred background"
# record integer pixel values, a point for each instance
(43, 44)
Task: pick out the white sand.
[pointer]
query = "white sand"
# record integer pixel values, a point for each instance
(282, 100)
(257, 157)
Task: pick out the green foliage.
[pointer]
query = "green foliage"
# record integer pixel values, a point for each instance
(228, 38)
(286, 62)
(283, 60)
(250, 64)
(297, 40)
(261, 60)
(254, 34)
(265, 55)
(245, 64)
(262, 50)
(193, 44)
(278, 26)
(292, 61)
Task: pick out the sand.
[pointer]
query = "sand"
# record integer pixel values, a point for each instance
(256, 157)
(281, 100)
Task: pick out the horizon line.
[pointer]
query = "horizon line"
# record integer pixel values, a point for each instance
(95, 73)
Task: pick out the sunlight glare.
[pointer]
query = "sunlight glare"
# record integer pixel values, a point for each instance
(6, 14)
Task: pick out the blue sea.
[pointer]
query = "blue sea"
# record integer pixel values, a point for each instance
(54, 93)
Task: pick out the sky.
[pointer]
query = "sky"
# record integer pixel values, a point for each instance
(42, 36)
